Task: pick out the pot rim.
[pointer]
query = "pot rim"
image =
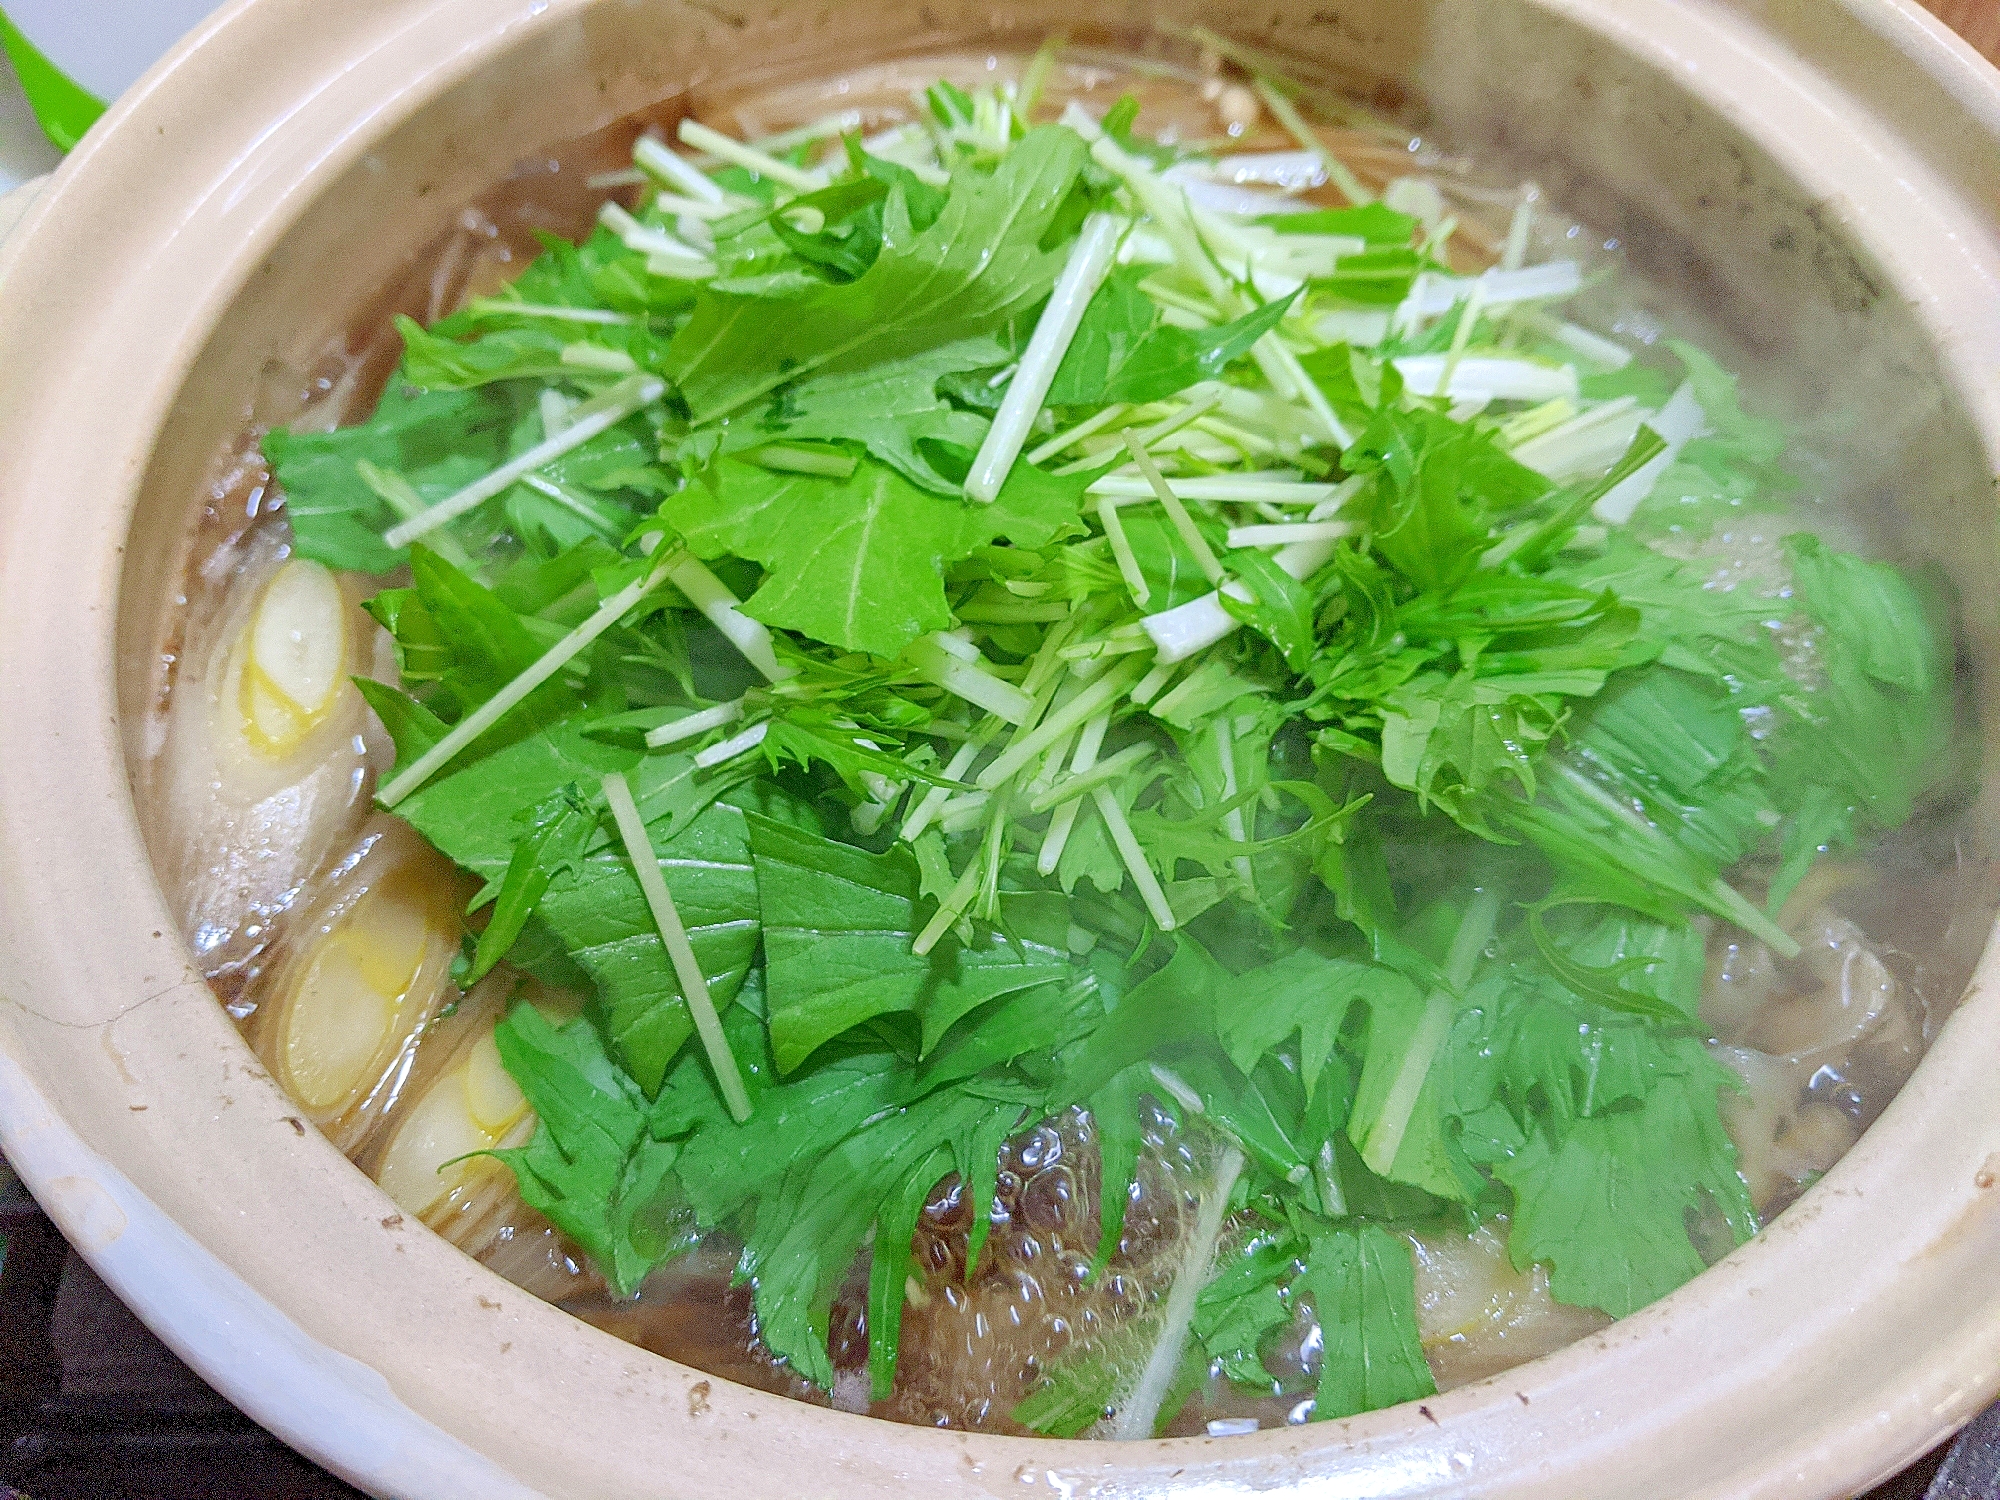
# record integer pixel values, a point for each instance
(1493, 1438)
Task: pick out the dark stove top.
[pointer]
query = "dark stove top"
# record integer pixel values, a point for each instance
(93, 1407)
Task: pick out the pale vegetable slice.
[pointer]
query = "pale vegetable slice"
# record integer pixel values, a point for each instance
(297, 652)
(347, 1015)
(470, 1110)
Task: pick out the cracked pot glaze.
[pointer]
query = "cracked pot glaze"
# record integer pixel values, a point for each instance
(1821, 176)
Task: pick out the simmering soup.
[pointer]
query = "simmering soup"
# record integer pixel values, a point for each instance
(1076, 743)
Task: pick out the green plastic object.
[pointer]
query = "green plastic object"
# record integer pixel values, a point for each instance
(64, 107)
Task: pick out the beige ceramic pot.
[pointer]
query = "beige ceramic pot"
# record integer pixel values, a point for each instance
(1822, 175)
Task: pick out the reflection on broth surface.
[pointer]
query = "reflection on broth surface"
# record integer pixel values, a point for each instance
(1357, 1153)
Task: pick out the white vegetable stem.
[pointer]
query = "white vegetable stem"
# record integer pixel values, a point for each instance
(1088, 743)
(484, 717)
(921, 815)
(1081, 275)
(670, 169)
(715, 143)
(938, 663)
(735, 745)
(1183, 523)
(1287, 115)
(1100, 695)
(1198, 624)
(724, 611)
(1136, 1417)
(1127, 844)
(1230, 488)
(586, 422)
(689, 725)
(687, 968)
(1680, 420)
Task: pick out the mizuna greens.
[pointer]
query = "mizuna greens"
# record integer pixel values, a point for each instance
(937, 631)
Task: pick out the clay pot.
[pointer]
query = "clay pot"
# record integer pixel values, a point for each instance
(1822, 176)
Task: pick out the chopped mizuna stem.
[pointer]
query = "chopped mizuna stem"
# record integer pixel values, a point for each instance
(1384, 1138)
(687, 968)
(1183, 1093)
(993, 613)
(506, 307)
(1295, 171)
(790, 458)
(825, 128)
(570, 503)
(1075, 785)
(1232, 821)
(1147, 688)
(597, 357)
(946, 916)
(724, 611)
(1363, 327)
(402, 497)
(489, 713)
(1204, 556)
(1121, 549)
(674, 268)
(599, 182)
(1193, 412)
(1516, 249)
(643, 240)
(1433, 294)
(699, 136)
(1180, 632)
(1593, 347)
(1078, 433)
(554, 408)
(921, 815)
(959, 643)
(1584, 444)
(1088, 743)
(692, 208)
(1136, 1418)
(1204, 192)
(1035, 77)
(1461, 338)
(1081, 275)
(1677, 422)
(689, 725)
(1291, 531)
(1228, 488)
(1287, 114)
(1537, 420)
(936, 663)
(669, 168)
(735, 745)
(1106, 645)
(1498, 379)
(1093, 699)
(963, 812)
(1134, 858)
(594, 416)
